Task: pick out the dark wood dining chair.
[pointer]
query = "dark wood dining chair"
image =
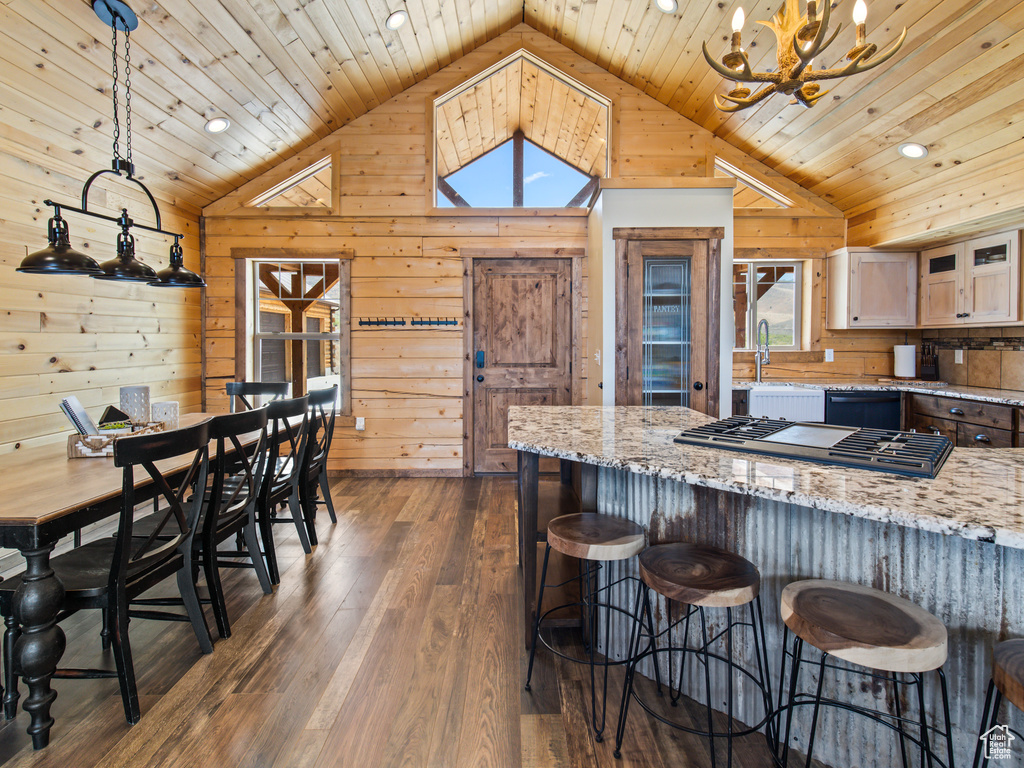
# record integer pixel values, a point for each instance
(110, 572)
(241, 391)
(323, 406)
(288, 432)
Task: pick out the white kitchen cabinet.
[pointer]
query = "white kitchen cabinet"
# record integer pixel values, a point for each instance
(871, 289)
(971, 283)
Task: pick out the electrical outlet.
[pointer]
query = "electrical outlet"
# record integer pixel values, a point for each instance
(597, 357)
(830, 355)
(360, 423)
(958, 356)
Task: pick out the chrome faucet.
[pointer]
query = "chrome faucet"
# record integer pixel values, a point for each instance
(761, 356)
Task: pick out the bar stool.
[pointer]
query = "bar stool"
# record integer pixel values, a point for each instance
(592, 538)
(1007, 681)
(699, 577)
(867, 628)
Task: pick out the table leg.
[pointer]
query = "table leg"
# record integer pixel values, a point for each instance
(41, 644)
(529, 477)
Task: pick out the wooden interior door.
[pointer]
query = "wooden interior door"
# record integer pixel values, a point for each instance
(522, 348)
(700, 249)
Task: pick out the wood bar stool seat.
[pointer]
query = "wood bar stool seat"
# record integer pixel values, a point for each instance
(700, 575)
(593, 539)
(864, 626)
(592, 536)
(889, 636)
(1007, 682)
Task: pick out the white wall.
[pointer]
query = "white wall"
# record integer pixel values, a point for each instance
(652, 208)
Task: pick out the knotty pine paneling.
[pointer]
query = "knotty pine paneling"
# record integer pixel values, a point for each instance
(408, 261)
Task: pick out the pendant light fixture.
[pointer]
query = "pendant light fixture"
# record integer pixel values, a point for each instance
(59, 258)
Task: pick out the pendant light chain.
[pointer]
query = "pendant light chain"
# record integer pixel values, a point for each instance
(117, 125)
(128, 97)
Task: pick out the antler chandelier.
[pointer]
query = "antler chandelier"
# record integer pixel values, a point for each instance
(799, 38)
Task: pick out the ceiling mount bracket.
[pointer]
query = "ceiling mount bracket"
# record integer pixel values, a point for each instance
(108, 10)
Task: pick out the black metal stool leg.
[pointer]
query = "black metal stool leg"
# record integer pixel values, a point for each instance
(817, 708)
(707, 683)
(988, 720)
(537, 615)
(728, 654)
(926, 750)
(761, 652)
(595, 610)
(798, 649)
(899, 717)
(945, 714)
(677, 693)
(642, 606)
(650, 629)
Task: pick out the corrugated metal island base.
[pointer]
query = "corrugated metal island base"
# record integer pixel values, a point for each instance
(953, 544)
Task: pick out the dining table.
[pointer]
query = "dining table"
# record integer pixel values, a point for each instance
(45, 496)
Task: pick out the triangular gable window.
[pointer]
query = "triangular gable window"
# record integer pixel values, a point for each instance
(311, 187)
(751, 192)
(516, 174)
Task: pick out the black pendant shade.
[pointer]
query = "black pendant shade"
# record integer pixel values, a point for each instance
(59, 258)
(175, 275)
(126, 267)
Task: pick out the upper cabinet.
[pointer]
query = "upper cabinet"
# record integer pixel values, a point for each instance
(871, 289)
(971, 283)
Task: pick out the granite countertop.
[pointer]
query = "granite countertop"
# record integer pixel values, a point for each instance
(978, 493)
(1002, 396)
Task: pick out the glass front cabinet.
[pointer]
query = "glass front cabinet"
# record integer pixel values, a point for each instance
(971, 283)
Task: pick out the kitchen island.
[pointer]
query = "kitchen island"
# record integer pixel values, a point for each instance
(953, 544)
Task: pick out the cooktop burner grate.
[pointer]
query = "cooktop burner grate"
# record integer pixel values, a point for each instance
(881, 450)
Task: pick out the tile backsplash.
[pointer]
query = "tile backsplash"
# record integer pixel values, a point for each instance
(993, 357)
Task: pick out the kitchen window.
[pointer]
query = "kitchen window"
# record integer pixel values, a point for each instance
(301, 324)
(767, 290)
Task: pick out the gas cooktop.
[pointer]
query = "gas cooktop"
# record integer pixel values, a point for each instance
(881, 450)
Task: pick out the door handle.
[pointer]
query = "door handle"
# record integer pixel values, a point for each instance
(480, 378)
(698, 385)
(480, 358)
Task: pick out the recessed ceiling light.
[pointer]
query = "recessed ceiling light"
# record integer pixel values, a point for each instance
(217, 124)
(913, 150)
(397, 20)
(667, 6)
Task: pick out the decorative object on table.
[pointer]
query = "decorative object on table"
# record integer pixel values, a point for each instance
(73, 409)
(165, 412)
(799, 38)
(59, 258)
(135, 403)
(102, 446)
(904, 361)
(929, 362)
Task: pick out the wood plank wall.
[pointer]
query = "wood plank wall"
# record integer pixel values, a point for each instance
(62, 335)
(408, 384)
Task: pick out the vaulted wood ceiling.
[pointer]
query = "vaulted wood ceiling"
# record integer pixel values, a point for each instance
(288, 73)
(522, 96)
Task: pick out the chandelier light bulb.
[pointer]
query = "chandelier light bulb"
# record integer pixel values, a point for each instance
(738, 19)
(860, 12)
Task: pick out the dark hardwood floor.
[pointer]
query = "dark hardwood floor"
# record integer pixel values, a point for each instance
(396, 643)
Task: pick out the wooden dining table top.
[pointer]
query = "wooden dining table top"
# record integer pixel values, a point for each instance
(41, 483)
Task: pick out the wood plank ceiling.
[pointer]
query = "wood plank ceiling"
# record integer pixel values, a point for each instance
(287, 74)
(522, 96)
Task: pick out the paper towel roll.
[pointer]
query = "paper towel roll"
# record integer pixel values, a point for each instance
(905, 366)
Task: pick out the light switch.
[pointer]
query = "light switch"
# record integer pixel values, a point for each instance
(830, 355)
(958, 356)
(360, 423)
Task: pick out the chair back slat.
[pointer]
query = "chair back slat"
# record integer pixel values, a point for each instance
(238, 470)
(177, 522)
(243, 390)
(288, 433)
(323, 409)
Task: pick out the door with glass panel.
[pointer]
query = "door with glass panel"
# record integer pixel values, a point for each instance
(667, 298)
